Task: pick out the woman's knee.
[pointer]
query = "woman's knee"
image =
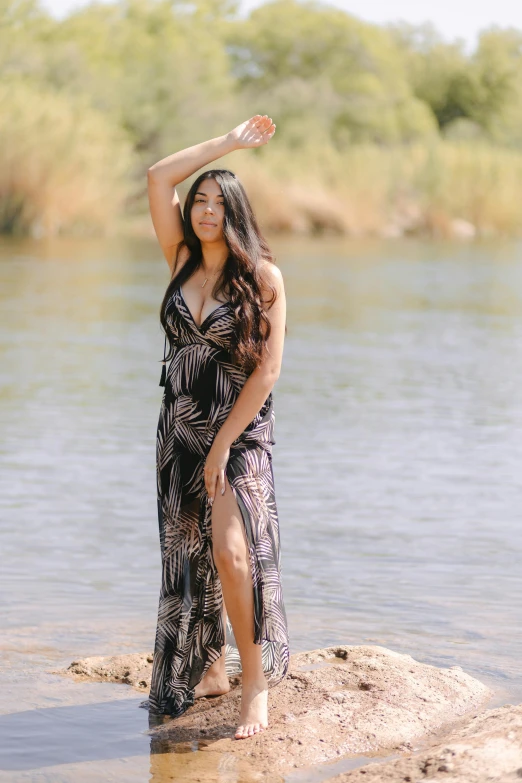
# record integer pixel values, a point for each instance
(231, 561)
(228, 537)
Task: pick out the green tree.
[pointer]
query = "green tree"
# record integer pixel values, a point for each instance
(479, 88)
(351, 72)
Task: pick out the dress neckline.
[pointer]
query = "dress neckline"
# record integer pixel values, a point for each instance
(200, 326)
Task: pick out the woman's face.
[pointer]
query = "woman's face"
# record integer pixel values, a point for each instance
(208, 212)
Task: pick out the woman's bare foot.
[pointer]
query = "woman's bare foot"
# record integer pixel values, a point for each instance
(254, 709)
(212, 684)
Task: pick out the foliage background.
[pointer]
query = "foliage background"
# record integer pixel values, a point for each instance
(380, 130)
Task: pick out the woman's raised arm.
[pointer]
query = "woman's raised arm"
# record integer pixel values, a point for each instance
(164, 175)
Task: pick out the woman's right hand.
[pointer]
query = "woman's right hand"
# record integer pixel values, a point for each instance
(255, 132)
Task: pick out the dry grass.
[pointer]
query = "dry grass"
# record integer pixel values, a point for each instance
(383, 191)
(64, 168)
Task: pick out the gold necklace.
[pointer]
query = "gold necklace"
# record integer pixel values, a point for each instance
(206, 278)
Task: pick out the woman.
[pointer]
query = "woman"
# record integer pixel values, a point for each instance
(224, 317)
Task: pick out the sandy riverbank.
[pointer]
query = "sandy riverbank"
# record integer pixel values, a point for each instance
(353, 703)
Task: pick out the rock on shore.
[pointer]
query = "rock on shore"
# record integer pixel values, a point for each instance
(131, 669)
(487, 748)
(338, 701)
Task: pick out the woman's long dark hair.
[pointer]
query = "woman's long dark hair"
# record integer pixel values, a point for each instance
(240, 279)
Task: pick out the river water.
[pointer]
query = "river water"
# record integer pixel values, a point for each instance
(397, 465)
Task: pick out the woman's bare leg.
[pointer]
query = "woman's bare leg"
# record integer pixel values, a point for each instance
(215, 682)
(232, 560)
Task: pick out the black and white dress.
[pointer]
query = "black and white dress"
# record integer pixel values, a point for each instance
(201, 387)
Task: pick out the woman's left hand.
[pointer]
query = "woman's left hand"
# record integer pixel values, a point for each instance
(215, 467)
(255, 132)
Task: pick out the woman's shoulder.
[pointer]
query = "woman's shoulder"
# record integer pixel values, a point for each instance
(270, 273)
(271, 282)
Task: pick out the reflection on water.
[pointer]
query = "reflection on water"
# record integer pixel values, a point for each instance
(107, 739)
(397, 464)
(80, 733)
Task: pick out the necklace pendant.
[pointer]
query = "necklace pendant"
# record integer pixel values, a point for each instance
(206, 278)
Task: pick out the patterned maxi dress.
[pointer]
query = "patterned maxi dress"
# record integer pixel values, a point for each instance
(201, 387)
